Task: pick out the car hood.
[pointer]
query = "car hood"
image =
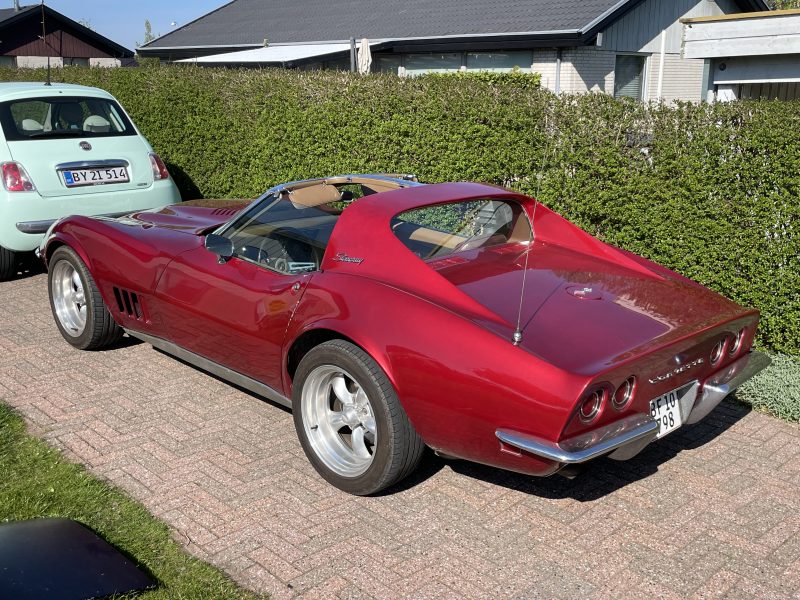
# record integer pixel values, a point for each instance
(584, 313)
(193, 217)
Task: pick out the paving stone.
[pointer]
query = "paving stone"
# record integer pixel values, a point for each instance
(712, 511)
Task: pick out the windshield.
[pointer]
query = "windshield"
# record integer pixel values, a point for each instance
(63, 116)
(287, 232)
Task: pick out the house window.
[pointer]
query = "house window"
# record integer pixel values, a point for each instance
(499, 61)
(417, 64)
(387, 63)
(76, 62)
(629, 76)
(8, 61)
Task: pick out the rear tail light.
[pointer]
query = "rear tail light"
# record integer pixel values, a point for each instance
(16, 178)
(736, 342)
(590, 406)
(624, 394)
(159, 168)
(716, 352)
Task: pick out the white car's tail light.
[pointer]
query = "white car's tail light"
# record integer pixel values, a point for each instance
(624, 393)
(16, 178)
(159, 168)
(590, 406)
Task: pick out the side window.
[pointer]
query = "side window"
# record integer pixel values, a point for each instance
(436, 231)
(284, 236)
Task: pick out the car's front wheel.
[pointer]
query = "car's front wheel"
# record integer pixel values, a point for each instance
(78, 308)
(8, 263)
(350, 422)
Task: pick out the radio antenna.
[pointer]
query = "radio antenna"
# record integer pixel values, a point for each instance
(517, 337)
(44, 42)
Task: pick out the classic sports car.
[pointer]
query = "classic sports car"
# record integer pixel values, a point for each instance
(392, 315)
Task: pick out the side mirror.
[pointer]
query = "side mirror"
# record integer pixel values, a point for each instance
(219, 245)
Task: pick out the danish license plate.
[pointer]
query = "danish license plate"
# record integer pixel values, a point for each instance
(78, 177)
(666, 409)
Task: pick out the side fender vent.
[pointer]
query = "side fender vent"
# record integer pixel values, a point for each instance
(129, 304)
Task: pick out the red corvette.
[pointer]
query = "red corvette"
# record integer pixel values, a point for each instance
(392, 315)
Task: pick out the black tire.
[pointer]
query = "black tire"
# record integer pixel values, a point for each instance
(100, 329)
(398, 448)
(8, 264)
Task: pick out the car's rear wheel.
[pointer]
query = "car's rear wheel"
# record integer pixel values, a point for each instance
(350, 422)
(8, 263)
(78, 308)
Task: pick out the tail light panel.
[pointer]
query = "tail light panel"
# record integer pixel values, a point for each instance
(16, 178)
(159, 168)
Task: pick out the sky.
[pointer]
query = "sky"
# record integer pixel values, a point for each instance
(123, 20)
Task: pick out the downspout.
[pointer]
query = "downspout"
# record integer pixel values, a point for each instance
(661, 64)
(352, 55)
(558, 71)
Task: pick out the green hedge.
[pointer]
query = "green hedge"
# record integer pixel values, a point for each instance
(708, 190)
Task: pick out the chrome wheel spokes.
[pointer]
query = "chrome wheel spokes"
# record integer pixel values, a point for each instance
(339, 420)
(69, 298)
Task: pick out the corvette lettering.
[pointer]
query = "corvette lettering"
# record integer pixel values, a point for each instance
(677, 371)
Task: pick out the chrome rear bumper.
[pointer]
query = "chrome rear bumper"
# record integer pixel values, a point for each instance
(625, 438)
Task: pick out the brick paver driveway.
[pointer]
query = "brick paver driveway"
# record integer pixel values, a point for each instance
(713, 510)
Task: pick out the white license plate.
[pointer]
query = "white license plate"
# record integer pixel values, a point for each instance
(77, 177)
(666, 409)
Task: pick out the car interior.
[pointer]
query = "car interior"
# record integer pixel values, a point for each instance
(288, 231)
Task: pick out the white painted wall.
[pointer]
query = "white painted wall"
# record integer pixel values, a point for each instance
(38, 62)
(683, 78)
(104, 62)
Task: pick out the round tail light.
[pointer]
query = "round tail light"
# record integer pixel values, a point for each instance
(736, 342)
(716, 352)
(624, 393)
(590, 407)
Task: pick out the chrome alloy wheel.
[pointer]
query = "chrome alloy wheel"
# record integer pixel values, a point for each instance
(339, 421)
(69, 299)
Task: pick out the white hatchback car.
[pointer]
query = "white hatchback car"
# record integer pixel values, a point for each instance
(69, 149)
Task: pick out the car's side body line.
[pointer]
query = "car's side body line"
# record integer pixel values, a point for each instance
(212, 367)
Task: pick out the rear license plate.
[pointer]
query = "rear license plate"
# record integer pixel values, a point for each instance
(666, 409)
(78, 177)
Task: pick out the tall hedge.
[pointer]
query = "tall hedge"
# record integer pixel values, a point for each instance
(712, 191)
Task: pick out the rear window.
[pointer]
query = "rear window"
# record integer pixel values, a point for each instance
(63, 116)
(436, 231)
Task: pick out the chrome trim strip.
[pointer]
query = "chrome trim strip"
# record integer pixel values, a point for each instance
(212, 367)
(637, 429)
(43, 226)
(725, 381)
(92, 164)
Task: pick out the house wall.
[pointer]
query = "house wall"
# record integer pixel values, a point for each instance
(640, 29)
(682, 78)
(587, 70)
(38, 62)
(105, 62)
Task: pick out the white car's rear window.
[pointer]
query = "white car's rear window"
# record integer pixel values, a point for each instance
(63, 116)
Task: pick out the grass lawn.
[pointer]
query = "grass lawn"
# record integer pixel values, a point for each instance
(37, 482)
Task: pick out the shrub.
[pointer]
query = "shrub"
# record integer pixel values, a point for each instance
(708, 190)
